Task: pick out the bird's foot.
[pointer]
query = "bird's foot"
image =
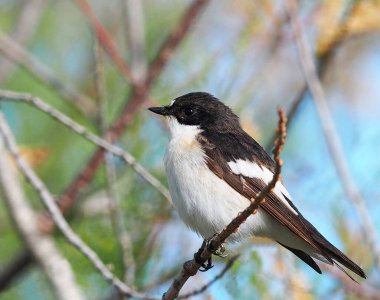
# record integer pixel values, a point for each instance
(220, 252)
(205, 266)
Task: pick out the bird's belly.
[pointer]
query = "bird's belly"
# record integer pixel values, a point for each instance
(205, 202)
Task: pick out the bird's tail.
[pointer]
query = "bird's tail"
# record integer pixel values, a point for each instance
(339, 258)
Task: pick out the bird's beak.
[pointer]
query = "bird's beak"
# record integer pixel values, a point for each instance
(162, 110)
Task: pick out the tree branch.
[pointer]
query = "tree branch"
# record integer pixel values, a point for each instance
(60, 221)
(55, 266)
(80, 130)
(191, 267)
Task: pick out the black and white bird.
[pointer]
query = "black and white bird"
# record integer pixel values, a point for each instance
(214, 168)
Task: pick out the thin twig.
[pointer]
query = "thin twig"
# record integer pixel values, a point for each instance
(106, 41)
(79, 129)
(199, 291)
(21, 56)
(25, 219)
(50, 204)
(330, 133)
(191, 267)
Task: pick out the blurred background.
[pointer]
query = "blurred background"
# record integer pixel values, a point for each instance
(103, 63)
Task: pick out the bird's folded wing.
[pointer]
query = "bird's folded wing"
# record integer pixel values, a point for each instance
(278, 206)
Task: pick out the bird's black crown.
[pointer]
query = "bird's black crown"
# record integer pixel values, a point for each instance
(200, 109)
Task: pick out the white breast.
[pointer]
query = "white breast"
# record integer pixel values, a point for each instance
(204, 202)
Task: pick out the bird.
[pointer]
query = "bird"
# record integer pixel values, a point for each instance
(214, 169)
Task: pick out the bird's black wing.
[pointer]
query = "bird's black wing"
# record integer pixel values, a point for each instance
(217, 160)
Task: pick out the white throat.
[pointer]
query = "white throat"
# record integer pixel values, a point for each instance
(182, 131)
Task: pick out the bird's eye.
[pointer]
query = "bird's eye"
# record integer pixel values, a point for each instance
(188, 111)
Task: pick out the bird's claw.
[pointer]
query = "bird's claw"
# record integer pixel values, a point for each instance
(205, 266)
(197, 257)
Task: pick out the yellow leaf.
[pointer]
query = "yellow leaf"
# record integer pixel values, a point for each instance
(35, 156)
(329, 24)
(365, 17)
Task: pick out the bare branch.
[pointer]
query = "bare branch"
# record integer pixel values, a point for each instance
(191, 267)
(330, 132)
(55, 266)
(19, 55)
(60, 221)
(79, 129)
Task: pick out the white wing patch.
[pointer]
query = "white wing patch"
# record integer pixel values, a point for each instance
(253, 170)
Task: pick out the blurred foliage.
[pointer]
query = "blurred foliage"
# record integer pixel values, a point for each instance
(242, 52)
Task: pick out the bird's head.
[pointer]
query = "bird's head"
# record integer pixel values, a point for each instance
(199, 109)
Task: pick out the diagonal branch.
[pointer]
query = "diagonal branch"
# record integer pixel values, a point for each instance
(79, 129)
(55, 213)
(191, 267)
(25, 218)
(330, 132)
